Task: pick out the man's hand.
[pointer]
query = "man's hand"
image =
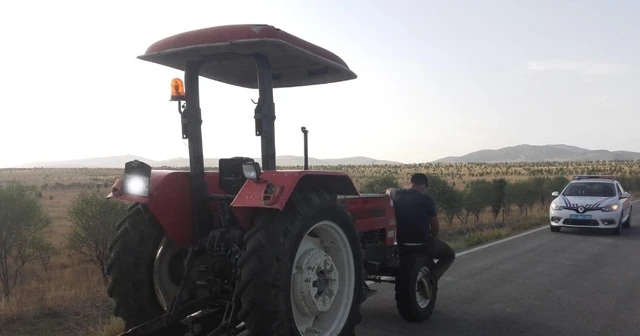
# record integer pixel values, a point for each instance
(389, 191)
(434, 224)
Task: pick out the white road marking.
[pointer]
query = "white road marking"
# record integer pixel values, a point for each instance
(475, 249)
(500, 241)
(478, 248)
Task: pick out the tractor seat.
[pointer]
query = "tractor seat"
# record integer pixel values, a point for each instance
(231, 177)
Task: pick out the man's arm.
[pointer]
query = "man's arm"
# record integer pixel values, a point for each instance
(432, 216)
(435, 226)
(391, 192)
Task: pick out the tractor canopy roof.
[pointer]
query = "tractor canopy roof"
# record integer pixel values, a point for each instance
(226, 50)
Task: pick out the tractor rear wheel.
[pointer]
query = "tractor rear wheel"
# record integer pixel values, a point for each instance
(415, 294)
(139, 267)
(301, 272)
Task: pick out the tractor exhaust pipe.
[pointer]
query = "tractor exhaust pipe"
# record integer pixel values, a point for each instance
(305, 133)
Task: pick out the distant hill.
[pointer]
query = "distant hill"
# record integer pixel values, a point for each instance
(534, 153)
(119, 161)
(519, 153)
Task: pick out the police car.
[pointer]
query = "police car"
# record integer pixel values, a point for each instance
(591, 201)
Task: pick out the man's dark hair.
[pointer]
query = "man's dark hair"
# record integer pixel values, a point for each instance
(420, 178)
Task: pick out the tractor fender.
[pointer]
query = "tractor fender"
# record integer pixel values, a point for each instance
(169, 201)
(169, 197)
(274, 188)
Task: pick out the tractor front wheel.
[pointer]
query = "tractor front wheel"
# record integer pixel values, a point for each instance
(415, 294)
(301, 272)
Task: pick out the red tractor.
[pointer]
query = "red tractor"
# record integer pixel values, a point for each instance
(249, 248)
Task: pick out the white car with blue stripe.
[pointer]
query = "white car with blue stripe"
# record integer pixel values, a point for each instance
(591, 201)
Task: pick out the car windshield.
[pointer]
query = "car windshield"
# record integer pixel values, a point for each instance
(594, 189)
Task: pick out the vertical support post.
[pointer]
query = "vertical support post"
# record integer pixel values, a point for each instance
(305, 133)
(192, 116)
(265, 112)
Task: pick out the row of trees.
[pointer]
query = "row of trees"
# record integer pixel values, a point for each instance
(23, 228)
(497, 195)
(630, 183)
(24, 222)
(499, 170)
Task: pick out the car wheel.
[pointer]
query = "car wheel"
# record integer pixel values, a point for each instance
(627, 223)
(554, 228)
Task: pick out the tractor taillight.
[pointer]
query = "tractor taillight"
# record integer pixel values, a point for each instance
(251, 170)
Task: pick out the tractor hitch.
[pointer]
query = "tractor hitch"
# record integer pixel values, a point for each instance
(160, 326)
(196, 324)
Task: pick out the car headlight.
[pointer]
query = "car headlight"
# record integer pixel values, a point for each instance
(610, 207)
(556, 206)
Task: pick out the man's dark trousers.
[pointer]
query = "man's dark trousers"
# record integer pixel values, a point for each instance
(440, 250)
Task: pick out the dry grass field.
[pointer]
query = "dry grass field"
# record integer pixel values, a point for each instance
(70, 299)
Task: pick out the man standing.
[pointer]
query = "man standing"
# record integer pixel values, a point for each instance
(417, 223)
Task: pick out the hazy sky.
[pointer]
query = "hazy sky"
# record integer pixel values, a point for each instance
(436, 78)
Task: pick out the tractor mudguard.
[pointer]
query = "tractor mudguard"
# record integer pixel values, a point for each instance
(169, 201)
(274, 188)
(169, 197)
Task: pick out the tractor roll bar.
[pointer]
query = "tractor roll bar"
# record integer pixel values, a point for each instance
(192, 130)
(202, 218)
(265, 114)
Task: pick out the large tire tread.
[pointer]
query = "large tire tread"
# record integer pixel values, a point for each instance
(405, 290)
(130, 267)
(266, 263)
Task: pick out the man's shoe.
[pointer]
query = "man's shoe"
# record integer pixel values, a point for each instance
(368, 292)
(432, 279)
(433, 283)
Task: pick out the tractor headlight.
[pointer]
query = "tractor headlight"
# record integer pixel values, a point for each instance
(137, 175)
(251, 170)
(610, 207)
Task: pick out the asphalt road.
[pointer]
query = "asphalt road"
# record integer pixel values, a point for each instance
(576, 282)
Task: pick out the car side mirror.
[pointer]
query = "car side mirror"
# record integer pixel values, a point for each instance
(555, 194)
(625, 195)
